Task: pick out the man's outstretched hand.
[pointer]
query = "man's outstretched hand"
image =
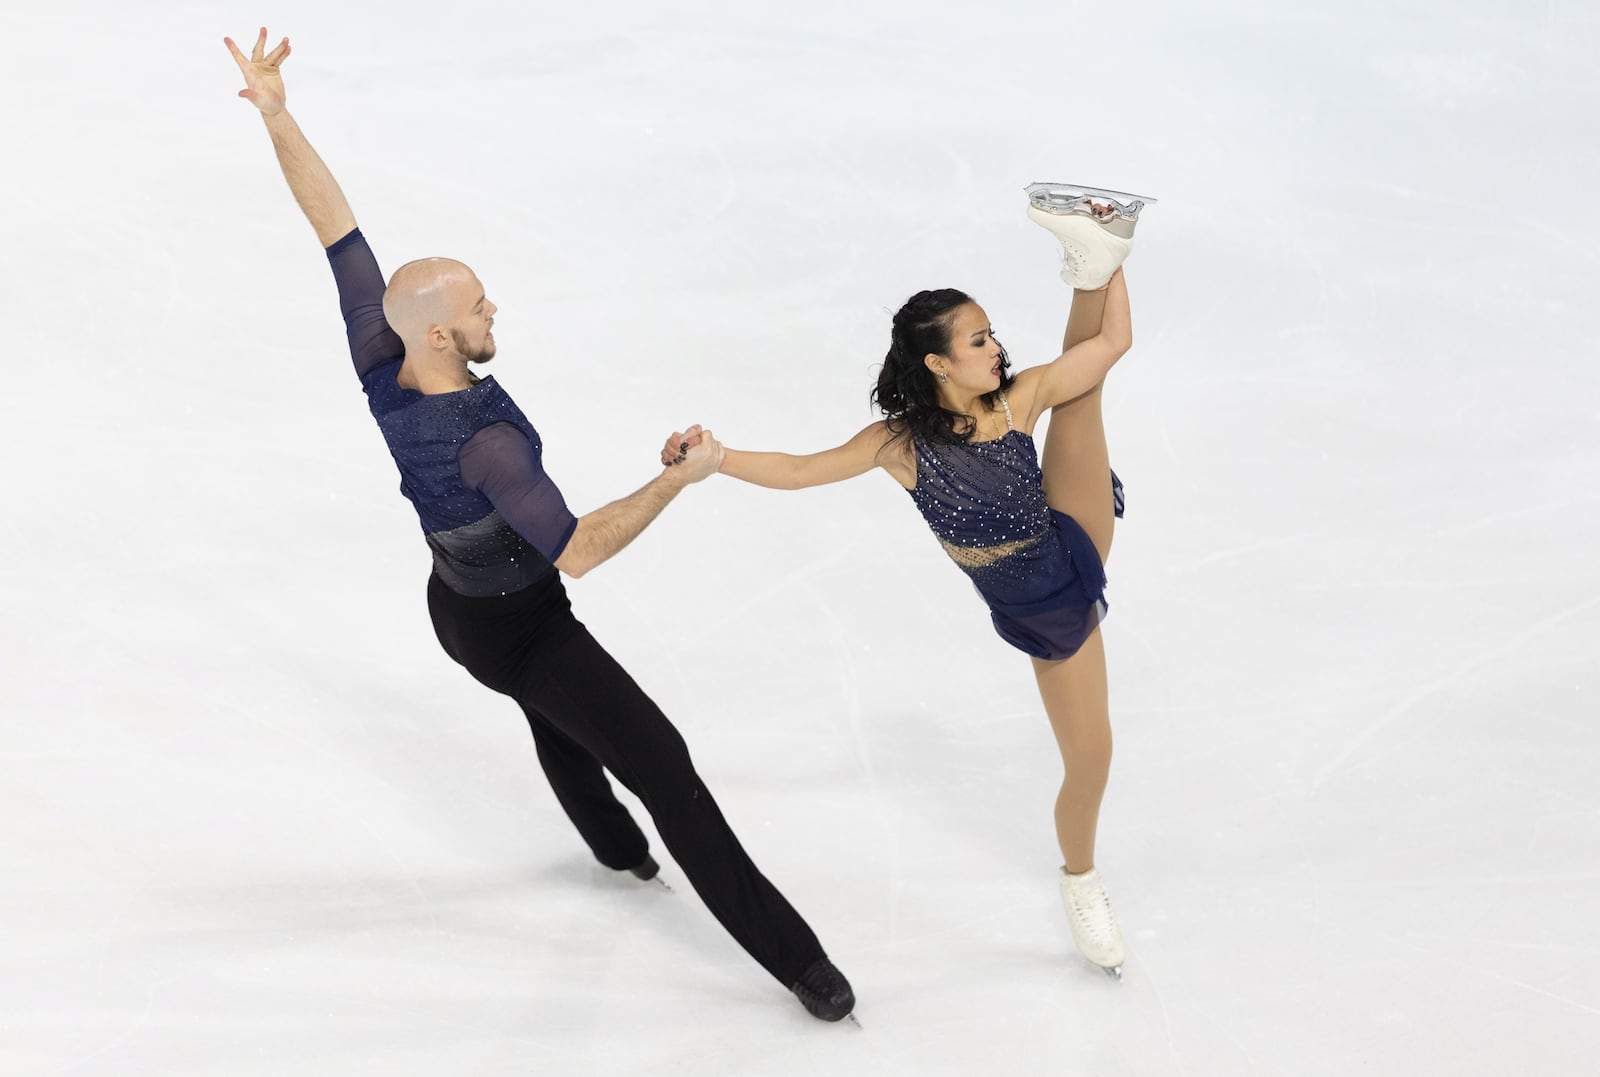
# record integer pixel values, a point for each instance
(263, 85)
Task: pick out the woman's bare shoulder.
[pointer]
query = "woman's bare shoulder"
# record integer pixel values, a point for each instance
(1023, 396)
(891, 451)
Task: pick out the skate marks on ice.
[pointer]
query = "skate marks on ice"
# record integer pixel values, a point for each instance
(1451, 679)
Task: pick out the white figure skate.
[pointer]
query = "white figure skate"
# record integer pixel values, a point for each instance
(1094, 927)
(1093, 244)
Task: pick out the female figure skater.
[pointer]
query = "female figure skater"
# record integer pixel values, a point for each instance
(1033, 534)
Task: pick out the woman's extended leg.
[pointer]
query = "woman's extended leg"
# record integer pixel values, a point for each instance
(1075, 460)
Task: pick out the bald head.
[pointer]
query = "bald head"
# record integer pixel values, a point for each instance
(427, 293)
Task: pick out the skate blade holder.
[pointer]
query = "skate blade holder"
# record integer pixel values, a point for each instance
(1064, 198)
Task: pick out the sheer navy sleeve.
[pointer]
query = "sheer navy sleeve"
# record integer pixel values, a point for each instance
(361, 286)
(504, 466)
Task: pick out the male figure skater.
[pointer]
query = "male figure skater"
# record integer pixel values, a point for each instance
(470, 463)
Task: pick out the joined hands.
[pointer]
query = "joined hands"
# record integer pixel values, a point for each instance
(694, 449)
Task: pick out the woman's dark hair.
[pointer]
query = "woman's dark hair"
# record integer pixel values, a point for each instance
(906, 391)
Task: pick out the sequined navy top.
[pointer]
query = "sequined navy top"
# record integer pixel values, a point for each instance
(470, 462)
(985, 502)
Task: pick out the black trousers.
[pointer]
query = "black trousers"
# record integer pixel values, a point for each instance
(586, 714)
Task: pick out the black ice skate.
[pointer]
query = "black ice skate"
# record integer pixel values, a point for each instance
(649, 871)
(824, 992)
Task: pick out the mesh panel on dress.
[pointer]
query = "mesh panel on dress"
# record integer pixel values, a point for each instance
(982, 495)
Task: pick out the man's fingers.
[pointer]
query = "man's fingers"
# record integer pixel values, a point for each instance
(258, 54)
(238, 57)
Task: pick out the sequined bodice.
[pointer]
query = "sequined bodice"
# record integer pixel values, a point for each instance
(981, 495)
(1035, 566)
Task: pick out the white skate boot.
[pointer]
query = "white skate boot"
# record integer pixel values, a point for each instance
(1093, 244)
(1094, 928)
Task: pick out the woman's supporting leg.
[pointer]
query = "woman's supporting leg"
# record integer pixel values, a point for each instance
(1076, 702)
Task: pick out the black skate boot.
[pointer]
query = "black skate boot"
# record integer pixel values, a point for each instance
(824, 992)
(647, 869)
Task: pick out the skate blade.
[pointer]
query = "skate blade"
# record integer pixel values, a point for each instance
(1114, 972)
(1073, 198)
(854, 1020)
(663, 884)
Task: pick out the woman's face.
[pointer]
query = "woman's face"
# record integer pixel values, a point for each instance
(972, 362)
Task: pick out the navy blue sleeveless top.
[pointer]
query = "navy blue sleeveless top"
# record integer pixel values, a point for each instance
(1036, 568)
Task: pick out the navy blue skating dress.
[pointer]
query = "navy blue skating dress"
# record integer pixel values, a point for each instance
(1036, 568)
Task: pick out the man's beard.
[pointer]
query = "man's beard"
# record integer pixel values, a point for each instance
(481, 355)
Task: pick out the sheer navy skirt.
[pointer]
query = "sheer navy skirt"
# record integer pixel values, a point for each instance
(1047, 599)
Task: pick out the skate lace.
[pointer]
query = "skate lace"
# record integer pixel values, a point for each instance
(1091, 908)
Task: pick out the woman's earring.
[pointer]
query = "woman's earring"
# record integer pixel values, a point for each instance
(943, 377)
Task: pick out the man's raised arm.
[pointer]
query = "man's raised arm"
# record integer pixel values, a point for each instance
(355, 270)
(309, 179)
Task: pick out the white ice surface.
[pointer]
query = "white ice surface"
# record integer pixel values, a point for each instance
(252, 821)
